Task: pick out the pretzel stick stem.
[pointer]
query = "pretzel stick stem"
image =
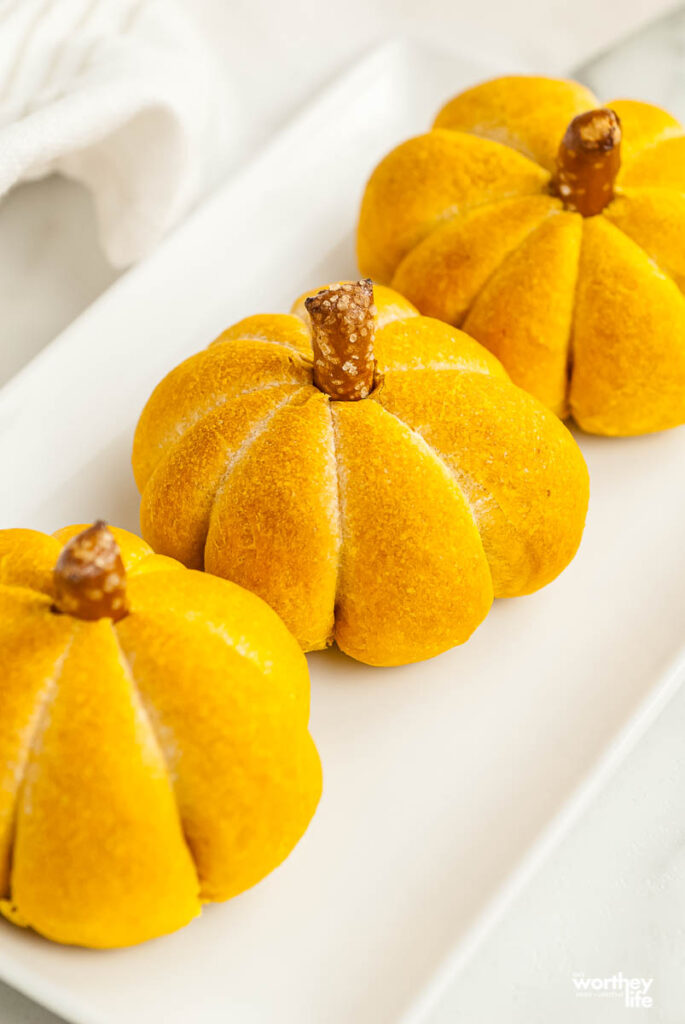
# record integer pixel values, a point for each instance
(588, 161)
(89, 578)
(343, 320)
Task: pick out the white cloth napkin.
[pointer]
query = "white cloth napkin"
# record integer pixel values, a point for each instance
(118, 94)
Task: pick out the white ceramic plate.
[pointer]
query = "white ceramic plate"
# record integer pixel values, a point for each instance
(439, 777)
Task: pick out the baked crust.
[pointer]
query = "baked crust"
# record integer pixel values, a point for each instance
(385, 524)
(149, 764)
(474, 223)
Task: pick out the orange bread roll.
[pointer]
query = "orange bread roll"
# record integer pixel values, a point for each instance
(371, 473)
(550, 229)
(154, 747)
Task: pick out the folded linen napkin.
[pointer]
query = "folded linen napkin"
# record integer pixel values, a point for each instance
(118, 94)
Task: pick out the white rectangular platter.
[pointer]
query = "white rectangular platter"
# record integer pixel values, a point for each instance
(439, 777)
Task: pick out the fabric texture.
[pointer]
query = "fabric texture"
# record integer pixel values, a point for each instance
(116, 94)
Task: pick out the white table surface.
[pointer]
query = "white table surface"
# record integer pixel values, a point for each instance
(609, 900)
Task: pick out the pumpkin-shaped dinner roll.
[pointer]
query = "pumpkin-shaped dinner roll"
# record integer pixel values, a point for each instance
(154, 749)
(371, 473)
(551, 229)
